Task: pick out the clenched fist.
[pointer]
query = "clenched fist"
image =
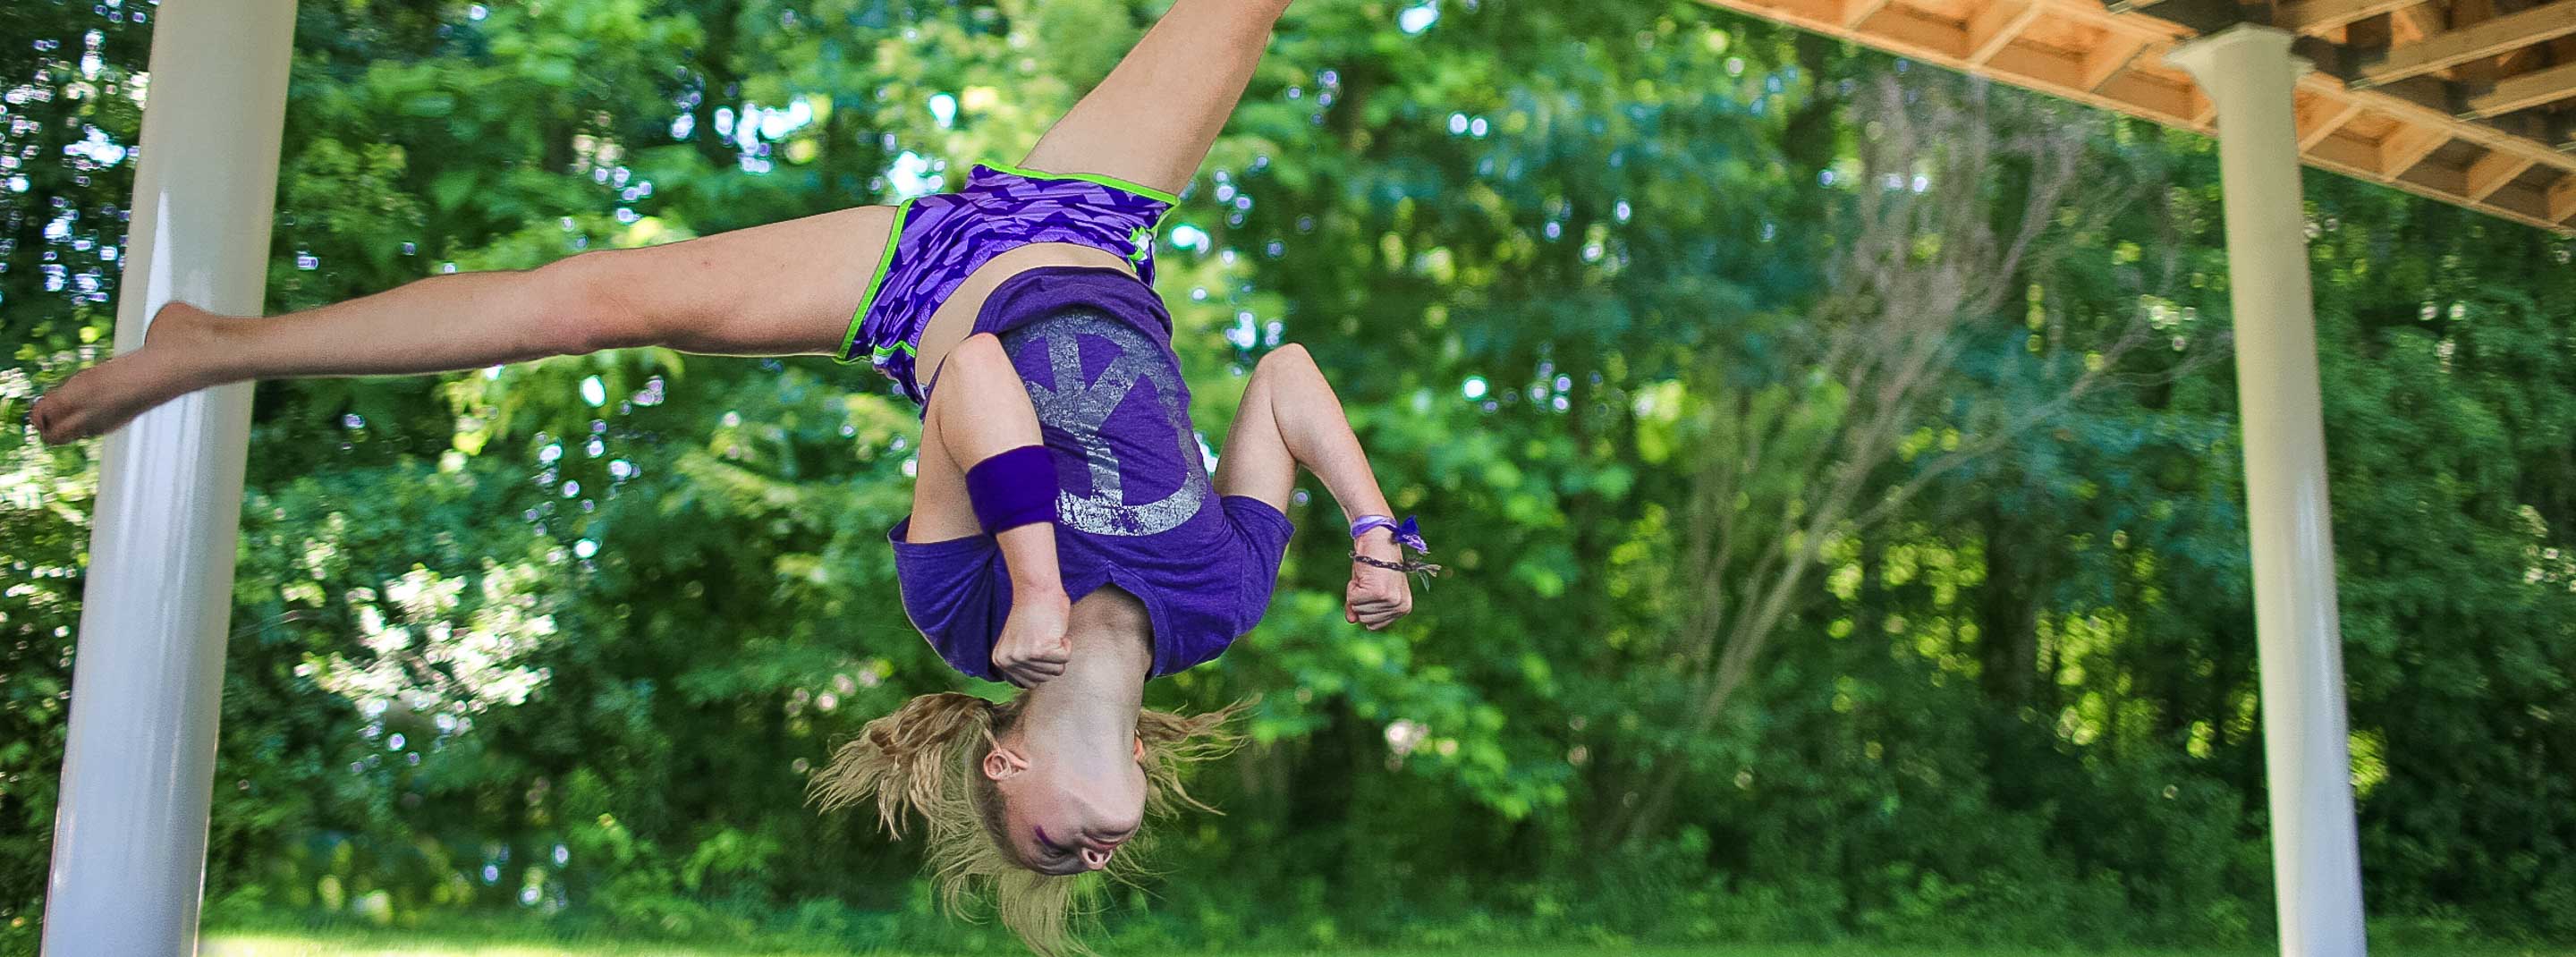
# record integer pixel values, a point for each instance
(1034, 647)
(1377, 596)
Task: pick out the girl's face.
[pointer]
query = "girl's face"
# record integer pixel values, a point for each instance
(1066, 816)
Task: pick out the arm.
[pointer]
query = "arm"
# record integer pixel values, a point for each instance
(981, 409)
(1290, 418)
(1152, 120)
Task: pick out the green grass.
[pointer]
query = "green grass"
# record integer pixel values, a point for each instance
(392, 943)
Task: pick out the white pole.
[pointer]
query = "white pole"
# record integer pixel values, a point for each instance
(2316, 862)
(130, 834)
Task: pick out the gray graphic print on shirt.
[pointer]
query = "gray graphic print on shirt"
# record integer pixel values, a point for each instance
(1087, 409)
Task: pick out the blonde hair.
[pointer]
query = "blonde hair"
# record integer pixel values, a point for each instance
(925, 758)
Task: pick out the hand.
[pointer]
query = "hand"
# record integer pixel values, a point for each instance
(1034, 647)
(1377, 596)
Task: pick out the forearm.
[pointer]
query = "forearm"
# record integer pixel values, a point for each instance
(1028, 554)
(980, 409)
(1338, 462)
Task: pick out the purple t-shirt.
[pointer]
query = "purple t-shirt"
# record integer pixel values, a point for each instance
(1138, 509)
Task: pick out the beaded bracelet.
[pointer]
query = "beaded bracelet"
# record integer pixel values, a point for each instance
(1425, 571)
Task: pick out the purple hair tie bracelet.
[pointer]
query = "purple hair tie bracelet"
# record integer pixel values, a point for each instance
(1408, 534)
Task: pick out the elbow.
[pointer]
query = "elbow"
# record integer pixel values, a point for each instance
(982, 353)
(1290, 359)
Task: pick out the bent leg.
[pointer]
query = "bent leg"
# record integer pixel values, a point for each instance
(785, 288)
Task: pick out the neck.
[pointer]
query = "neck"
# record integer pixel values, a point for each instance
(1090, 711)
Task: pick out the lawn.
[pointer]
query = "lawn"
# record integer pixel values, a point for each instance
(378, 943)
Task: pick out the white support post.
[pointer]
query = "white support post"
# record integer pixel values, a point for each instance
(2316, 861)
(138, 773)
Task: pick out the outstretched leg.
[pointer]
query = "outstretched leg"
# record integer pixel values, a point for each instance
(1152, 120)
(1290, 417)
(781, 289)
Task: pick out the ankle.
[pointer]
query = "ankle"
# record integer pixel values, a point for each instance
(195, 344)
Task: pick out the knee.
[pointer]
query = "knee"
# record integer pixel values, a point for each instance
(586, 305)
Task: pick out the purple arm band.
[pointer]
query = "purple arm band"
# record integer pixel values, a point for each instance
(1407, 534)
(1014, 488)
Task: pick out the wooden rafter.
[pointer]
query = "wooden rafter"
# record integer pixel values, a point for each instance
(2524, 91)
(1996, 26)
(2319, 16)
(2418, 129)
(2492, 171)
(2562, 199)
(2327, 121)
(2486, 38)
(2407, 148)
(1854, 12)
(2109, 57)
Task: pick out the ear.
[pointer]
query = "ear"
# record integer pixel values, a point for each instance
(1140, 749)
(1001, 765)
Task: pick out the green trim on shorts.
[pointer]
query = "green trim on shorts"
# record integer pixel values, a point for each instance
(1112, 182)
(876, 282)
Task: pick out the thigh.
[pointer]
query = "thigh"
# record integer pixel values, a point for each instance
(1255, 462)
(786, 288)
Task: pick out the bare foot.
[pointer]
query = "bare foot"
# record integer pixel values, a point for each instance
(172, 363)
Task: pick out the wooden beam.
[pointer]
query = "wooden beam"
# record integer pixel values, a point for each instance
(2110, 56)
(2524, 91)
(2117, 65)
(2425, 18)
(1906, 31)
(2492, 171)
(2151, 97)
(2327, 121)
(2038, 69)
(2562, 199)
(2408, 146)
(2484, 39)
(2367, 37)
(2318, 16)
(1855, 11)
(2482, 72)
(1994, 28)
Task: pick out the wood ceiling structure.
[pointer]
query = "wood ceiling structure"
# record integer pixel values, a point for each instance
(2471, 102)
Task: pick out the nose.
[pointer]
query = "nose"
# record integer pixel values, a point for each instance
(1096, 859)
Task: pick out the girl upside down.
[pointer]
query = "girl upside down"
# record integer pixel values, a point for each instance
(1065, 536)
